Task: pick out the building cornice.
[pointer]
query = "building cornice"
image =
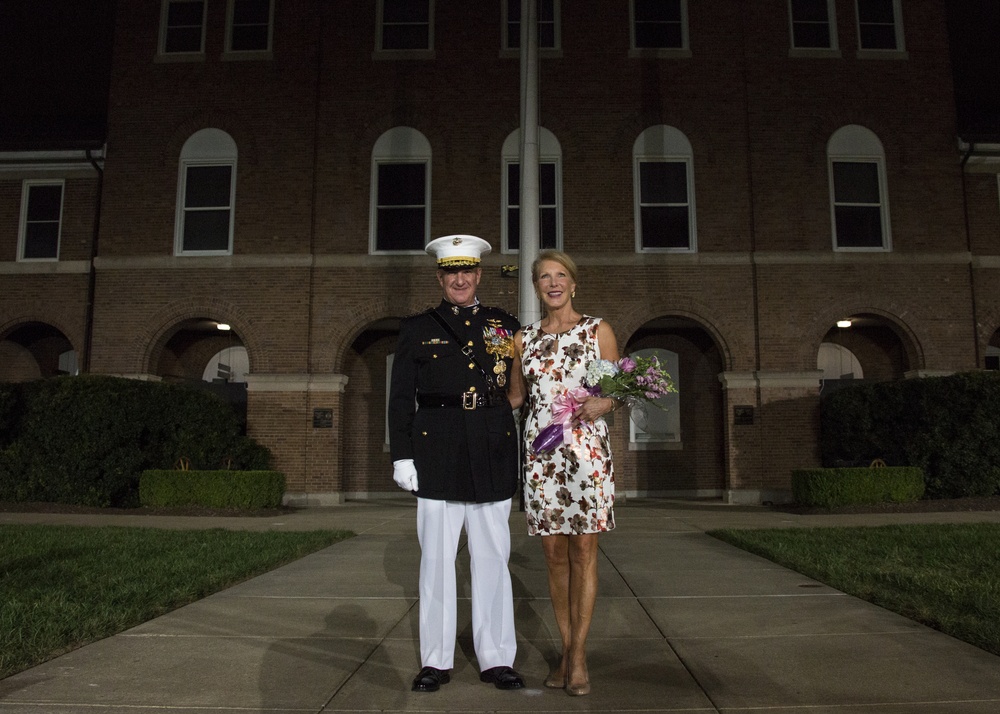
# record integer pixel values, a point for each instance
(28, 164)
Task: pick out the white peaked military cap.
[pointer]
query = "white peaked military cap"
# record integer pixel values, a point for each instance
(458, 251)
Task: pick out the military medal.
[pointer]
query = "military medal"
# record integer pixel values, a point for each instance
(500, 344)
(498, 369)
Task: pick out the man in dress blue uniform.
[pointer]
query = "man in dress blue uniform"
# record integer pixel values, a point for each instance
(454, 444)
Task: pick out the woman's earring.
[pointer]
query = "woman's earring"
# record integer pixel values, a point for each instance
(573, 294)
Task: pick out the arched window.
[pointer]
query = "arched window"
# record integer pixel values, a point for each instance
(664, 191)
(206, 194)
(228, 365)
(859, 202)
(68, 363)
(838, 362)
(549, 191)
(400, 193)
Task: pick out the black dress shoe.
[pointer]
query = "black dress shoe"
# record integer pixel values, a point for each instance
(502, 678)
(430, 679)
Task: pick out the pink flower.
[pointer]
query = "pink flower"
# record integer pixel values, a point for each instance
(561, 428)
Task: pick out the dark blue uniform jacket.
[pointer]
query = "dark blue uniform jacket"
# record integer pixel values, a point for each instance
(461, 454)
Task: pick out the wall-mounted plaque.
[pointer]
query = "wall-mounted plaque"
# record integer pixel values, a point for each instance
(322, 418)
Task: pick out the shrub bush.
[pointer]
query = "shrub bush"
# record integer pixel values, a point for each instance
(214, 489)
(946, 426)
(829, 488)
(87, 439)
(10, 405)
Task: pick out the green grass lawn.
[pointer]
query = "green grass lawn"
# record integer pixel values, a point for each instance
(64, 586)
(944, 576)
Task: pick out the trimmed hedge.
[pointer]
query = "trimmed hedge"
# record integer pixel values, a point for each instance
(86, 439)
(10, 406)
(829, 488)
(947, 426)
(215, 489)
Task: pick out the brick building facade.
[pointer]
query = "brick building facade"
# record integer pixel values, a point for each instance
(733, 179)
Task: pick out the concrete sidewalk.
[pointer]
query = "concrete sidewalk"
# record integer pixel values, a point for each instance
(684, 623)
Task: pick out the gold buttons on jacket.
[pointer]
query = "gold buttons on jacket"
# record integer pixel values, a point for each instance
(467, 323)
(471, 365)
(470, 343)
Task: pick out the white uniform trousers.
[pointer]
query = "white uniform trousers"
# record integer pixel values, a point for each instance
(439, 525)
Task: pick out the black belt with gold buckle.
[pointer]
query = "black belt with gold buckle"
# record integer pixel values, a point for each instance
(465, 400)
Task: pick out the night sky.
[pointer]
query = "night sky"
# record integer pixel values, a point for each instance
(975, 49)
(55, 57)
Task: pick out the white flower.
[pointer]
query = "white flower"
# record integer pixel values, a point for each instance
(600, 368)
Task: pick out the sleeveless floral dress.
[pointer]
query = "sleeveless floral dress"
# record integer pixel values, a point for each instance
(570, 490)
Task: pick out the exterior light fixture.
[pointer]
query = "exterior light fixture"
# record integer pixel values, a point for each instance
(223, 326)
(840, 323)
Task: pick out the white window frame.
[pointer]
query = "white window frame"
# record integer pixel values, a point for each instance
(831, 21)
(399, 145)
(22, 239)
(507, 50)
(206, 147)
(264, 53)
(662, 143)
(189, 55)
(549, 152)
(897, 16)
(857, 144)
(683, 51)
(381, 51)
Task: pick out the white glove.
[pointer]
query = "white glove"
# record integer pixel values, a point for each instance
(404, 473)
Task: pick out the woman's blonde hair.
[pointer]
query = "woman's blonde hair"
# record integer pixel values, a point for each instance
(559, 257)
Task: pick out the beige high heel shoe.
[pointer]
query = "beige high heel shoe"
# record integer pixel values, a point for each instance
(578, 690)
(555, 681)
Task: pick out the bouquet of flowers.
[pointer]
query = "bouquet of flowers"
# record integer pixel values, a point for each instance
(634, 380)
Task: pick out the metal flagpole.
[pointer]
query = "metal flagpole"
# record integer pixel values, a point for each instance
(528, 307)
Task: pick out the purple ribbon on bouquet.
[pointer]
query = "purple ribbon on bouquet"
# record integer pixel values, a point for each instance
(561, 427)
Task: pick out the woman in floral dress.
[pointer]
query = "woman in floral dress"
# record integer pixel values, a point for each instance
(569, 491)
